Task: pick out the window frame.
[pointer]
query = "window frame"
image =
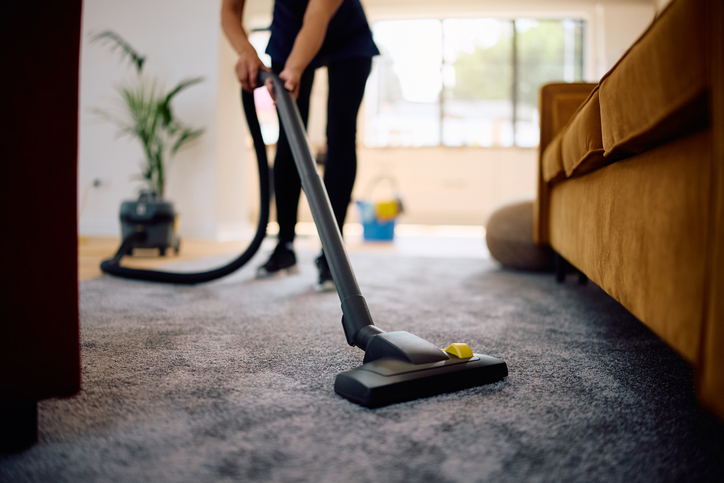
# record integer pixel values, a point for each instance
(582, 64)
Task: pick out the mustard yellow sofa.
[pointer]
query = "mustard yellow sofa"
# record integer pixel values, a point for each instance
(631, 183)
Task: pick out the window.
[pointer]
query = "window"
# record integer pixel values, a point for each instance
(265, 109)
(466, 82)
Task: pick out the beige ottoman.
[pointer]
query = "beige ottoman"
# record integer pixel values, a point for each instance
(509, 235)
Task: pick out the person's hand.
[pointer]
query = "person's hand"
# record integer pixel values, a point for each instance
(247, 69)
(292, 80)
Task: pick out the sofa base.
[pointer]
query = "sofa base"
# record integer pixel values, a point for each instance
(639, 229)
(18, 425)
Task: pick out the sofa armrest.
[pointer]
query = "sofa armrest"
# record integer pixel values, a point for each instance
(557, 103)
(711, 360)
(39, 324)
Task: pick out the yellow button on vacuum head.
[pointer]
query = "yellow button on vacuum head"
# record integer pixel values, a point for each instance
(463, 351)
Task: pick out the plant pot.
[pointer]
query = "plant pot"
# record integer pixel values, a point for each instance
(153, 217)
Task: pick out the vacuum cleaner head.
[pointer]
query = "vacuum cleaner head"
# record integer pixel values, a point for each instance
(387, 381)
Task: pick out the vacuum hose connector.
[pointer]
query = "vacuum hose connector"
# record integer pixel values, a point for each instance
(357, 322)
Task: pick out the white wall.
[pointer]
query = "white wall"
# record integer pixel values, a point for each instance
(619, 25)
(180, 38)
(214, 183)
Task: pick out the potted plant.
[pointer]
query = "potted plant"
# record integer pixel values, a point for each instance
(145, 113)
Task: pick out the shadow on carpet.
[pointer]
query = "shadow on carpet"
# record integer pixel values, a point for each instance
(233, 381)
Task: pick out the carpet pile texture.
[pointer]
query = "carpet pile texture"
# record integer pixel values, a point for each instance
(233, 381)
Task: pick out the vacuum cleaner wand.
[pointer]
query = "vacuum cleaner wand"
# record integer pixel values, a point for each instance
(354, 307)
(398, 366)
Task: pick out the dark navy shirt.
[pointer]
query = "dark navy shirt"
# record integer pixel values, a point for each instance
(348, 34)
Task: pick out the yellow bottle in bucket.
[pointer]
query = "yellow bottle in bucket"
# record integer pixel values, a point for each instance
(379, 217)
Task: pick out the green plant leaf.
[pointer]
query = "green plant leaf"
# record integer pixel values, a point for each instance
(183, 85)
(118, 43)
(145, 113)
(165, 106)
(186, 136)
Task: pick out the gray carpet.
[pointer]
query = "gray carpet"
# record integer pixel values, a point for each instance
(233, 381)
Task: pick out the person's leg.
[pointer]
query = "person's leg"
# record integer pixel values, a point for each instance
(287, 186)
(347, 79)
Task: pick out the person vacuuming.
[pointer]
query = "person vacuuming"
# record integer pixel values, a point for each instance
(306, 35)
(398, 366)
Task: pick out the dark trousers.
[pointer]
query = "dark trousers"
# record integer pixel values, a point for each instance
(347, 79)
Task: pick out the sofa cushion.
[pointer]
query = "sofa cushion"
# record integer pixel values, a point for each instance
(551, 162)
(582, 146)
(658, 88)
(557, 103)
(564, 106)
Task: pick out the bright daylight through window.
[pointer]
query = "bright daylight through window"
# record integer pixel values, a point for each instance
(466, 82)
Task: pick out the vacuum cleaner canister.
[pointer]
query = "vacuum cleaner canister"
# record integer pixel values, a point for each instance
(154, 218)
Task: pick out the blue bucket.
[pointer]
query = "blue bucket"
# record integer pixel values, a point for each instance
(375, 230)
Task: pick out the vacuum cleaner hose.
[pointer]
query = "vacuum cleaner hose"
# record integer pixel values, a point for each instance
(113, 267)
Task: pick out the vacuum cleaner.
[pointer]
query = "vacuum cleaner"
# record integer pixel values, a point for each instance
(397, 366)
(143, 234)
(152, 216)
